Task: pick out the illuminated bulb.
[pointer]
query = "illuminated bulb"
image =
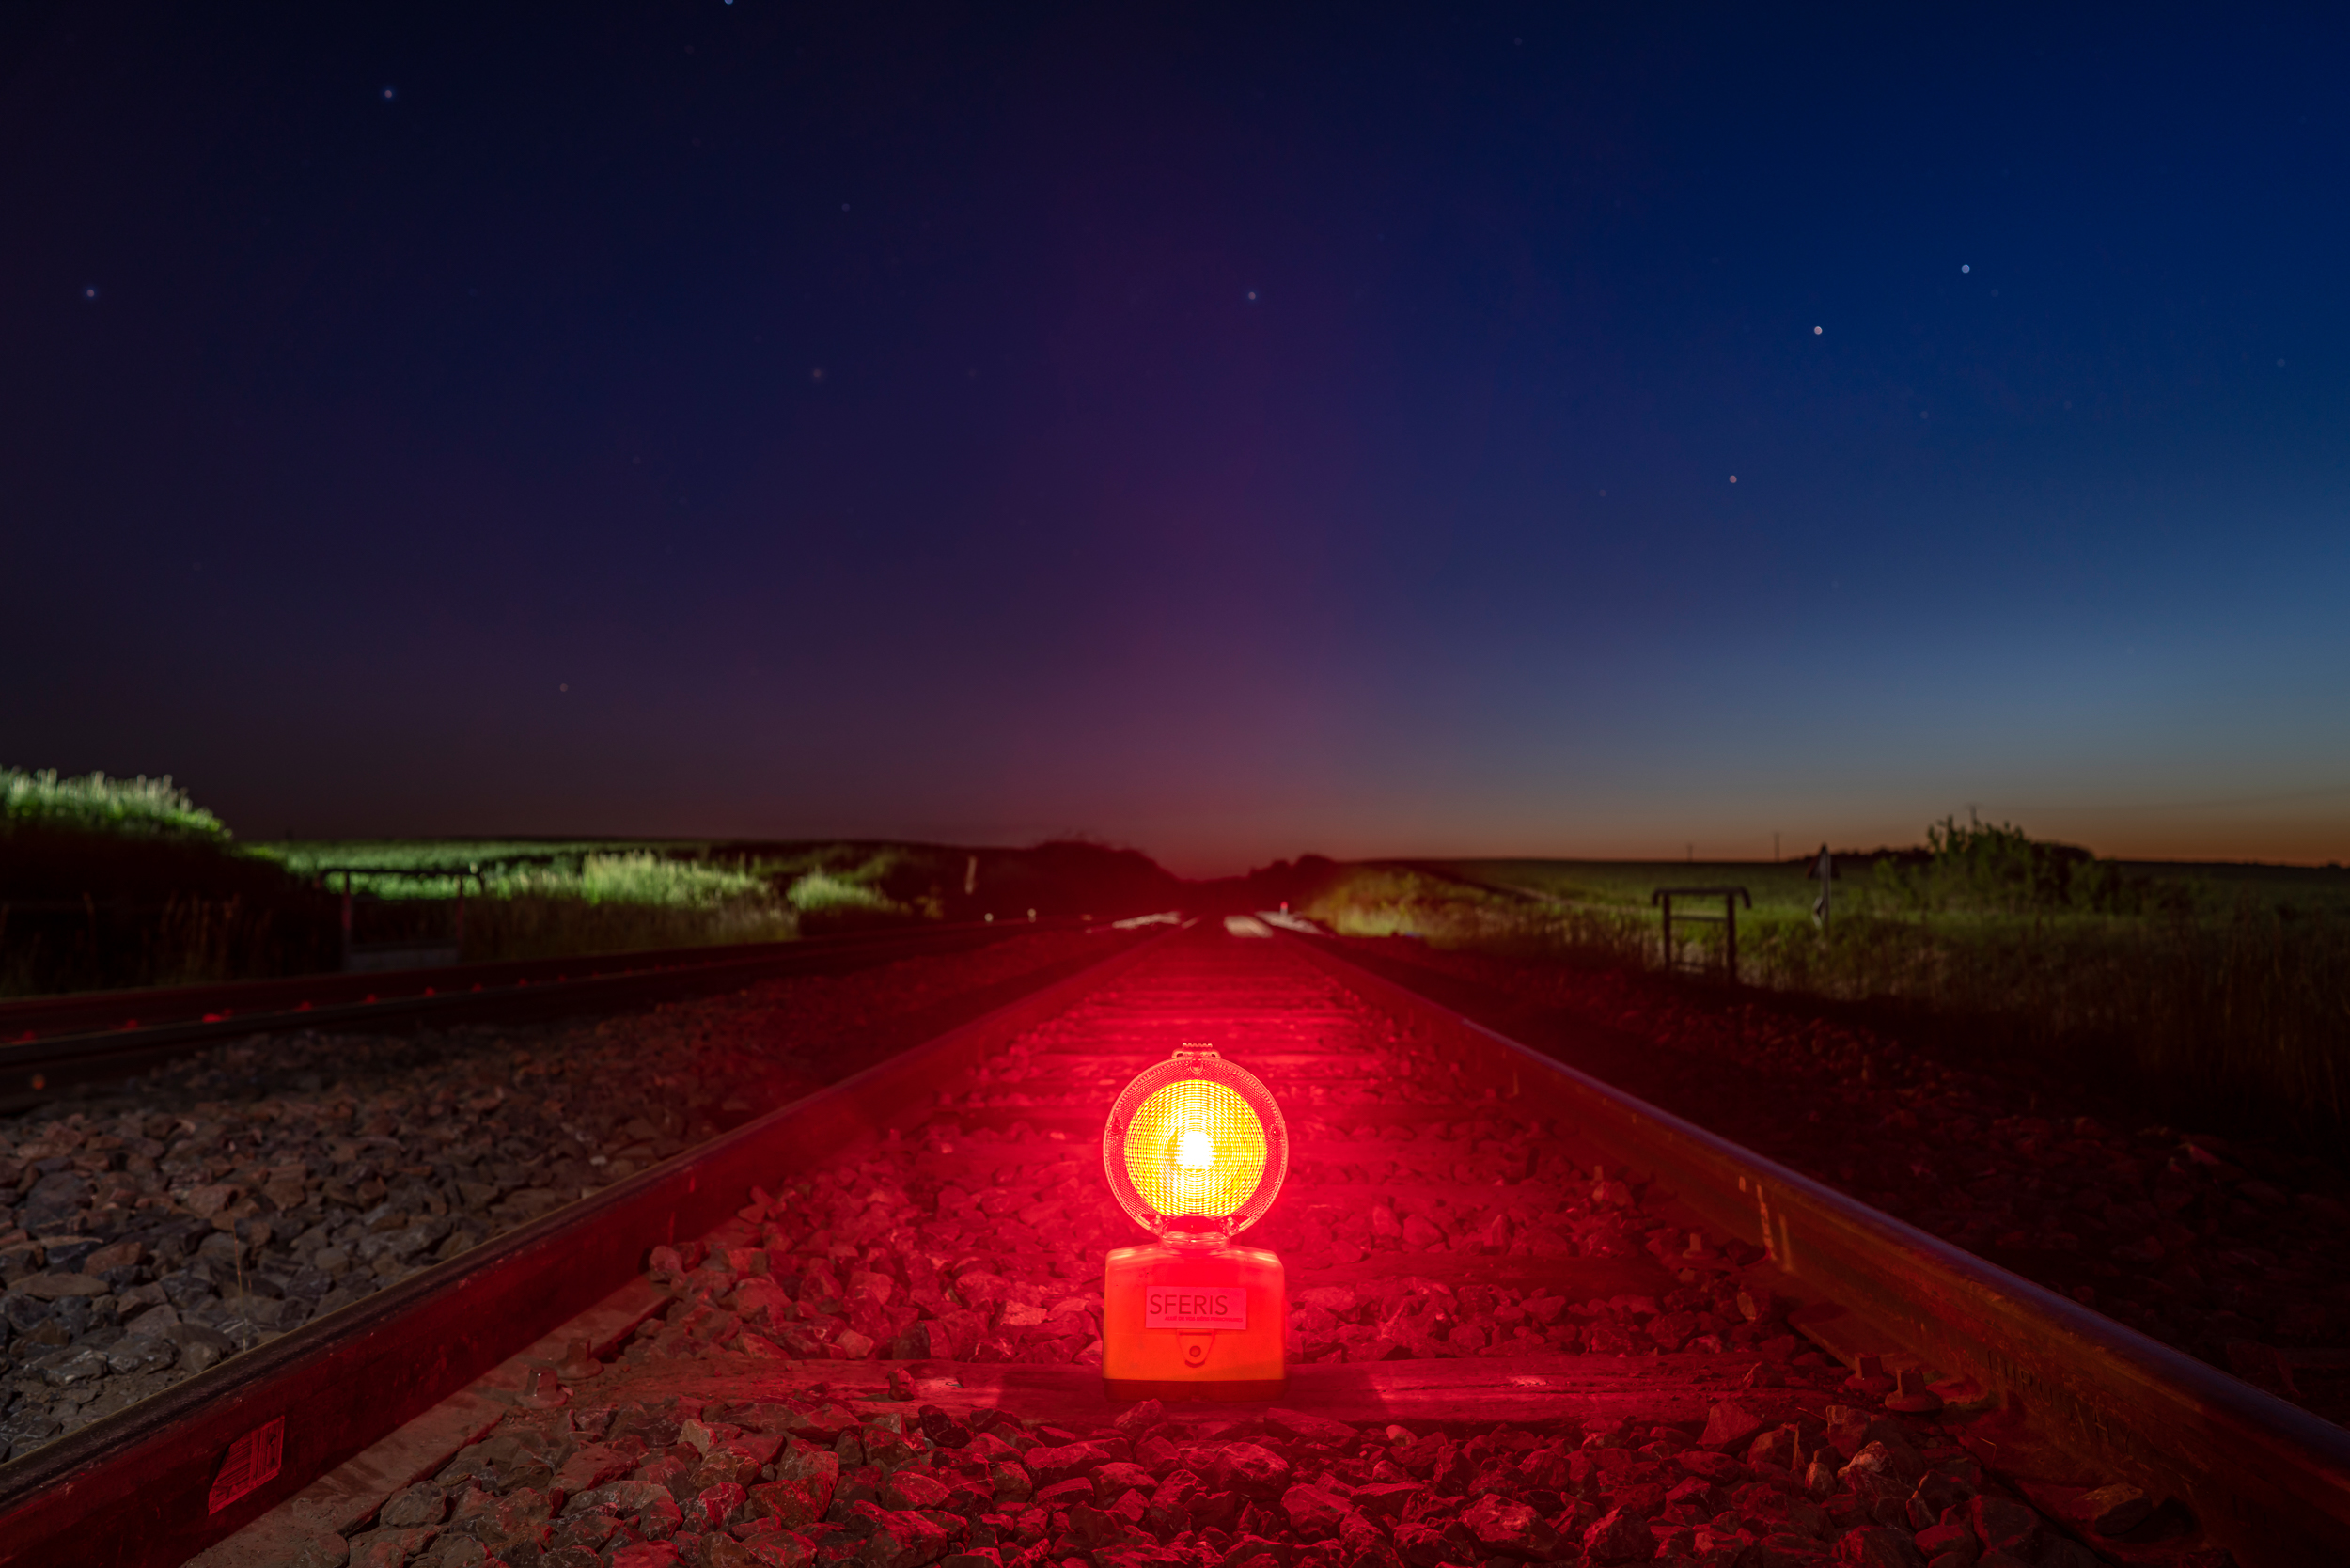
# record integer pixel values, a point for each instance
(1196, 1148)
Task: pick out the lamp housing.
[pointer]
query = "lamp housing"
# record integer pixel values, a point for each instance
(1196, 1149)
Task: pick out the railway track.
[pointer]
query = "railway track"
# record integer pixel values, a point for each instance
(50, 1045)
(1535, 1320)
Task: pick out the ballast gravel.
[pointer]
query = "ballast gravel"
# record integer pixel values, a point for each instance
(981, 1238)
(796, 1482)
(150, 1231)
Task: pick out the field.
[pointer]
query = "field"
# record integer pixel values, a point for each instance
(544, 898)
(2216, 993)
(1626, 884)
(110, 883)
(1788, 887)
(741, 890)
(2221, 993)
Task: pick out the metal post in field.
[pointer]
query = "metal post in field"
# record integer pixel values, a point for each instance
(1731, 896)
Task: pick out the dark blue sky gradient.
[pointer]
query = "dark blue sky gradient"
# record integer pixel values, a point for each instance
(1230, 431)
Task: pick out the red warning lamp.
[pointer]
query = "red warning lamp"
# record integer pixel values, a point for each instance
(1196, 1149)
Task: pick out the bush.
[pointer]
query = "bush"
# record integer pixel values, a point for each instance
(822, 892)
(2000, 868)
(1396, 901)
(142, 806)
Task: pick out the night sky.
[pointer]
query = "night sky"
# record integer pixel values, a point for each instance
(1228, 430)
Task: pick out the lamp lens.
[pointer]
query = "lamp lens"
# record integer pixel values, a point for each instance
(1195, 1148)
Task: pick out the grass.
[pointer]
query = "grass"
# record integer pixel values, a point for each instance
(547, 898)
(2217, 993)
(822, 885)
(557, 926)
(128, 807)
(1788, 886)
(431, 867)
(115, 882)
(636, 876)
(109, 882)
(616, 901)
(675, 872)
(541, 898)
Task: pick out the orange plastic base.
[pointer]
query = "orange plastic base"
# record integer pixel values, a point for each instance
(1199, 1324)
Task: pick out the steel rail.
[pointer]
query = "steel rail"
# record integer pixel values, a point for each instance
(131, 1489)
(2264, 1478)
(27, 1018)
(58, 1043)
